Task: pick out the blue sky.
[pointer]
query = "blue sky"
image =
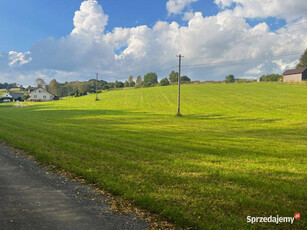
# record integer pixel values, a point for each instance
(36, 37)
(22, 22)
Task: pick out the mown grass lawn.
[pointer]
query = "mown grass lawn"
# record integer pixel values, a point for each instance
(239, 150)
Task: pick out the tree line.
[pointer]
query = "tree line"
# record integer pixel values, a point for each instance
(8, 86)
(268, 77)
(77, 88)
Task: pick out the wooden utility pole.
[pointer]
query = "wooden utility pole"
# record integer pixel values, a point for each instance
(179, 76)
(97, 87)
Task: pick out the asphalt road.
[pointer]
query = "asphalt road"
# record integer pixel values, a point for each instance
(32, 198)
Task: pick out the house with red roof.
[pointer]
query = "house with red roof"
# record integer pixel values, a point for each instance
(295, 75)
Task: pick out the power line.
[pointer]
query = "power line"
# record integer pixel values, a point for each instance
(160, 71)
(243, 60)
(128, 71)
(208, 64)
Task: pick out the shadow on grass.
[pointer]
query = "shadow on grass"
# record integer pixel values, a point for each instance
(229, 118)
(256, 120)
(72, 112)
(205, 117)
(7, 106)
(142, 145)
(153, 131)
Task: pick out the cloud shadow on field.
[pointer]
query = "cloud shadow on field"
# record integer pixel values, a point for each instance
(206, 117)
(196, 155)
(166, 129)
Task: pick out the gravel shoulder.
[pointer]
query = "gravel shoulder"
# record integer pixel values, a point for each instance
(31, 197)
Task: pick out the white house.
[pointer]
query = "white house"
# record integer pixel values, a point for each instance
(6, 98)
(40, 94)
(7, 95)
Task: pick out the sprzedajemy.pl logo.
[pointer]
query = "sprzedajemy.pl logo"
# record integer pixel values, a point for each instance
(273, 219)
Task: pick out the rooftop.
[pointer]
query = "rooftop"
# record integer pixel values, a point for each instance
(294, 71)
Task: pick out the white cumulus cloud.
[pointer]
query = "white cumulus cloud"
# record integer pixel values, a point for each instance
(18, 59)
(177, 6)
(205, 41)
(286, 9)
(90, 19)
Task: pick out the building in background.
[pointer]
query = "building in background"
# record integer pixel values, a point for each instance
(295, 75)
(16, 96)
(6, 98)
(40, 94)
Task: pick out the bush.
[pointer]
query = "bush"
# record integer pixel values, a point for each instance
(150, 79)
(164, 82)
(185, 78)
(104, 87)
(147, 84)
(272, 77)
(244, 80)
(230, 78)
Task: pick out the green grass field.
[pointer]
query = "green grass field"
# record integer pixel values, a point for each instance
(2, 92)
(239, 150)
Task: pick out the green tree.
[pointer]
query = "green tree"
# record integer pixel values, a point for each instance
(54, 87)
(303, 60)
(139, 81)
(185, 78)
(118, 84)
(173, 77)
(126, 84)
(230, 78)
(40, 83)
(150, 79)
(77, 92)
(131, 82)
(69, 89)
(130, 79)
(105, 87)
(63, 90)
(164, 82)
(84, 88)
(111, 85)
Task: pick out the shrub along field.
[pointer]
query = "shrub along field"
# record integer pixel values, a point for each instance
(239, 150)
